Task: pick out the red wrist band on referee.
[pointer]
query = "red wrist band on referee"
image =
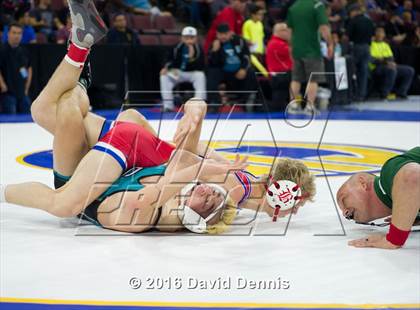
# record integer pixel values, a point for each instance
(76, 55)
(397, 236)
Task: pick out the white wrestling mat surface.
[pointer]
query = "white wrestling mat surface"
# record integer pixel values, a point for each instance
(43, 257)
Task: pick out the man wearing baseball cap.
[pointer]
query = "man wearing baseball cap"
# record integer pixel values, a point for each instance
(185, 64)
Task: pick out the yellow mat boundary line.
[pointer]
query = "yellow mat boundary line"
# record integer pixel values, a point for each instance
(203, 304)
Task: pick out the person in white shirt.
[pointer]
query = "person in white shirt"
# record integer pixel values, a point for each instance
(185, 64)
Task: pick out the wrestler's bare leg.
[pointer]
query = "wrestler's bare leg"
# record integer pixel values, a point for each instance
(87, 29)
(76, 194)
(93, 175)
(70, 142)
(187, 136)
(63, 80)
(61, 109)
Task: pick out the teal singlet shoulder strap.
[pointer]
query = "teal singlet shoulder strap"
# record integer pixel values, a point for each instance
(131, 180)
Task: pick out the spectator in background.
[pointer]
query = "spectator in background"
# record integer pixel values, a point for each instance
(9, 8)
(200, 13)
(395, 29)
(386, 71)
(409, 27)
(407, 7)
(306, 50)
(279, 63)
(120, 33)
(111, 7)
(7, 11)
(406, 17)
(373, 6)
(15, 74)
(140, 7)
(216, 6)
(391, 5)
(338, 15)
(229, 62)
(253, 30)
(43, 19)
(63, 34)
(278, 58)
(232, 15)
(145, 7)
(268, 21)
(360, 31)
(186, 64)
(28, 35)
(156, 11)
(62, 14)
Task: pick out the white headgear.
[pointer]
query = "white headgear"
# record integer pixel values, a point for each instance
(282, 195)
(191, 219)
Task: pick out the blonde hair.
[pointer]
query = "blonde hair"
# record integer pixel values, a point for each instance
(296, 171)
(228, 216)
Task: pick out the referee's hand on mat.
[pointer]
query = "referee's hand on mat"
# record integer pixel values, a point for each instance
(373, 241)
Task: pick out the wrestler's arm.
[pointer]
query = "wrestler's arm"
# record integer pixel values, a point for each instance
(405, 206)
(406, 196)
(169, 185)
(135, 209)
(207, 152)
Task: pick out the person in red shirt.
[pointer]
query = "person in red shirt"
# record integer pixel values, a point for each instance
(233, 15)
(279, 65)
(278, 52)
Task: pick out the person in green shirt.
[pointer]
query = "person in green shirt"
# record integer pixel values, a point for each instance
(386, 70)
(395, 192)
(306, 19)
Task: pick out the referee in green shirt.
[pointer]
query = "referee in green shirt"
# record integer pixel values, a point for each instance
(396, 191)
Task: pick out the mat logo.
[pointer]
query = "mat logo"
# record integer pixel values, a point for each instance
(335, 159)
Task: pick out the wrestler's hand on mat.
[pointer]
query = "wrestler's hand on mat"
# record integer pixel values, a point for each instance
(211, 167)
(373, 241)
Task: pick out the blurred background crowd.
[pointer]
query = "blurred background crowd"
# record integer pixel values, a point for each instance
(281, 48)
